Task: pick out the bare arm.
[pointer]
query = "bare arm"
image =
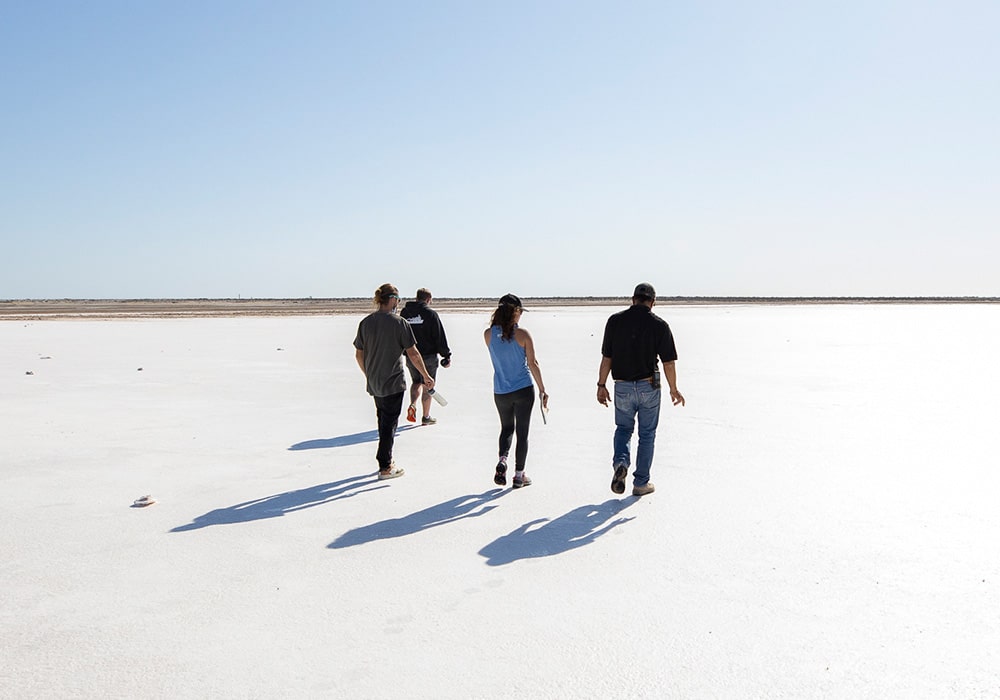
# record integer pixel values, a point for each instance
(670, 371)
(359, 355)
(602, 378)
(418, 362)
(524, 339)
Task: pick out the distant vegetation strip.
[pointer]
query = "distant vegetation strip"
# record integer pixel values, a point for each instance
(29, 309)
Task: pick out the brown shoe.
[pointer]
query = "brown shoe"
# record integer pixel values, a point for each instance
(643, 490)
(618, 480)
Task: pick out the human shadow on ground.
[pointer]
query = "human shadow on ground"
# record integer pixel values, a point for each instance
(577, 528)
(281, 504)
(344, 440)
(470, 506)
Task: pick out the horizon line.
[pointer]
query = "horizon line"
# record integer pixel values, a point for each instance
(491, 299)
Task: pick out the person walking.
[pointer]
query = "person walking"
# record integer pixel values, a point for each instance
(431, 342)
(381, 340)
(633, 340)
(514, 364)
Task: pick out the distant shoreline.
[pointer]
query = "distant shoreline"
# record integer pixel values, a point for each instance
(42, 309)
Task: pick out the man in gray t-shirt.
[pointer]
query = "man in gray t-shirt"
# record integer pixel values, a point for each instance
(381, 340)
(383, 337)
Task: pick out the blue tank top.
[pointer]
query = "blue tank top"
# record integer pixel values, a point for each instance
(510, 363)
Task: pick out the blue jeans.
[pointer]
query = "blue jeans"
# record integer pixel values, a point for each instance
(636, 399)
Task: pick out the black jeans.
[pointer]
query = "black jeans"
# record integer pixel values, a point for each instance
(387, 409)
(515, 417)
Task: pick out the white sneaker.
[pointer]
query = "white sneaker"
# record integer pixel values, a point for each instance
(391, 473)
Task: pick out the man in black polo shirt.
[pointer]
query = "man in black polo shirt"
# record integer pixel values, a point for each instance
(633, 340)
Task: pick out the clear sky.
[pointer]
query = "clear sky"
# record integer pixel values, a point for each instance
(295, 149)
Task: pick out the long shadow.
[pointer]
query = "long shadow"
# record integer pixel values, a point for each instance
(470, 506)
(280, 504)
(343, 440)
(577, 528)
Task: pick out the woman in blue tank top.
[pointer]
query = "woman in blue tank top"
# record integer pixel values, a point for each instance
(514, 364)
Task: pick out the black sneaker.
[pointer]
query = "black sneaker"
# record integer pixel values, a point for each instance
(618, 480)
(500, 478)
(520, 479)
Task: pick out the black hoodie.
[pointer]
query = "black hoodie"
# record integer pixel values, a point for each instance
(427, 329)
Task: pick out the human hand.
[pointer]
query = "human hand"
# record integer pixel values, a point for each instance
(677, 397)
(603, 395)
(545, 399)
(429, 383)
(446, 361)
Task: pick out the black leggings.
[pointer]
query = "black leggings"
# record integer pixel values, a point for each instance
(515, 416)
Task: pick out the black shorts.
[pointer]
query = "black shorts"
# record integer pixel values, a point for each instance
(430, 362)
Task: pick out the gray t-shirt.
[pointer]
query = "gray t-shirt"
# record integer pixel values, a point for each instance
(383, 337)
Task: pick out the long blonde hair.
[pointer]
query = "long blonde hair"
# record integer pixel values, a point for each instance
(384, 293)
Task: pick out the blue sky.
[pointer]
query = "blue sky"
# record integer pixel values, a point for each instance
(295, 149)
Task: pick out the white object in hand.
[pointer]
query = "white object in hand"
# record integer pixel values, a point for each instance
(437, 397)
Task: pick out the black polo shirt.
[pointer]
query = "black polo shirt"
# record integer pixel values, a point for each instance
(633, 339)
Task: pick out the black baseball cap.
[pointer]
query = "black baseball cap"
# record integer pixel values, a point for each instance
(512, 300)
(644, 290)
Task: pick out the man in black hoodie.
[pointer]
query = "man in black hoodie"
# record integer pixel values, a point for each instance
(431, 342)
